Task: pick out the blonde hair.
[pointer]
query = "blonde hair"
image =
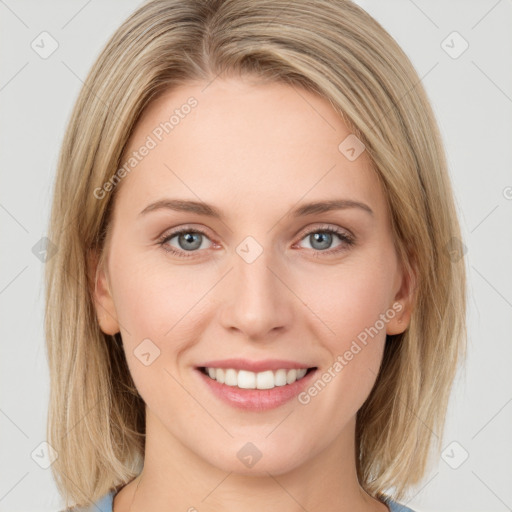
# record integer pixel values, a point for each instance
(329, 47)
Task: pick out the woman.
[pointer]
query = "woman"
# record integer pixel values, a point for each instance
(252, 306)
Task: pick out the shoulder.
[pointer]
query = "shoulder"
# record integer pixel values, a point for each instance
(104, 504)
(396, 507)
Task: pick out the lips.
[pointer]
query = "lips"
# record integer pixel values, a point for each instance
(256, 366)
(257, 400)
(255, 385)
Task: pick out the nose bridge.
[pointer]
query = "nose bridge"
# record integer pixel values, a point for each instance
(257, 302)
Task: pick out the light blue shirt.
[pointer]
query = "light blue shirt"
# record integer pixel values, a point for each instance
(104, 504)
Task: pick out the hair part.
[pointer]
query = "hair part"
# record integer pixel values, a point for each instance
(96, 419)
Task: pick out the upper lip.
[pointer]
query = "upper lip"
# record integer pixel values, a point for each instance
(254, 366)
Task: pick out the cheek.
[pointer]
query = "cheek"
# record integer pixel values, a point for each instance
(151, 296)
(352, 304)
(359, 334)
(152, 312)
(159, 309)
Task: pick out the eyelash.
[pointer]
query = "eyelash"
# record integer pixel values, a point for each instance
(347, 240)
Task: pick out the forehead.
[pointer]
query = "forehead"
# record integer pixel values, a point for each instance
(244, 143)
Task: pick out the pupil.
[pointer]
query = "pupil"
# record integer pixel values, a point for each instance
(189, 237)
(323, 238)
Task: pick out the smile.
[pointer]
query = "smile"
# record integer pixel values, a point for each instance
(245, 379)
(255, 385)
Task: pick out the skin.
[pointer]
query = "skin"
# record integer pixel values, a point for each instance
(255, 152)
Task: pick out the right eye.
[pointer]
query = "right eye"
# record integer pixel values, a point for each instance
(188, 240)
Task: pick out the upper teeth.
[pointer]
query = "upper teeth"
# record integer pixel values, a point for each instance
(251, 380)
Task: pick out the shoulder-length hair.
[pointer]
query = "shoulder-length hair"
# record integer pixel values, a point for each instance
(96, 419)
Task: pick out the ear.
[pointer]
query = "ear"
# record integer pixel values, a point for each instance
(100, 291)
(404, 300)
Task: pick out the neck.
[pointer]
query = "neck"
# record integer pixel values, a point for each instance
(175, 478)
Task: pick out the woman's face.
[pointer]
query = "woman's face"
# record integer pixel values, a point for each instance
(259, 286)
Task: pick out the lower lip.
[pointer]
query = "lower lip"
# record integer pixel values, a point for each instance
(256, 399)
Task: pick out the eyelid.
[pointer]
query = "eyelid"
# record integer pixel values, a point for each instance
(302, 233)
(169, 232)
(325, 226)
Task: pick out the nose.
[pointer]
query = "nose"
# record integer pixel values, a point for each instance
(257, 303)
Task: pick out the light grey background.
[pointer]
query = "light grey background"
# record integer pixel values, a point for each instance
(472, 98)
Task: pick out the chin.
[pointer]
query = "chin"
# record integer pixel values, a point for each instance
(258, 458)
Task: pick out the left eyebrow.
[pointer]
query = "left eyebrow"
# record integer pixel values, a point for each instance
(208, 210)
(327, 206)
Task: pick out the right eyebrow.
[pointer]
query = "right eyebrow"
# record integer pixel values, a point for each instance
(183, 206)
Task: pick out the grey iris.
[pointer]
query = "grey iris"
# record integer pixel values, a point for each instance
(325, 240)
(188, 238)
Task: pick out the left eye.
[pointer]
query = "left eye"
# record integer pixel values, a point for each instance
(321, 240)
